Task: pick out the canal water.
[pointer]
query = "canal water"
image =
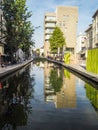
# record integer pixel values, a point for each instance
(44, 96)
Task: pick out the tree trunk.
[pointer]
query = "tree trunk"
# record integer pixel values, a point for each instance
(58, 51)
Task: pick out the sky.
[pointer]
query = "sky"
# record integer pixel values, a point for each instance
(86, 9)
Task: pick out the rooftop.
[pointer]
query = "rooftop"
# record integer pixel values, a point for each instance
(95, 13)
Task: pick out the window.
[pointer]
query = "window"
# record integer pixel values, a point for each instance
(65, 29)
(66, 17)
(51, 18)
(63, 23)
(97, 37)
(60, 24)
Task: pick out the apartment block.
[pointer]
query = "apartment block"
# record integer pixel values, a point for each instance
(89, 35)
(66, 18)
(92, 32)
(95, 29)
(49, 25)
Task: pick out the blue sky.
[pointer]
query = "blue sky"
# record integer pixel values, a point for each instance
(86, 8)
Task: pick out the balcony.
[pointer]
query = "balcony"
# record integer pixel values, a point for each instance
(50, 25)
(48, 32)
(53, 19)
(47, 37)
(83, 44)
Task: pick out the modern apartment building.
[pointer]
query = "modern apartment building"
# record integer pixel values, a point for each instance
(49, 25)
(95, 29)
(92, 32)
(89, 36)
(66, 18)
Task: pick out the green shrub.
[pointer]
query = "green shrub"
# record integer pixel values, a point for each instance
(92, 61)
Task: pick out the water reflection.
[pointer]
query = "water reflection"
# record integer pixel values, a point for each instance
(46, 96)
(59, 86)
(56, 79)
(15, 93)
(92, 94)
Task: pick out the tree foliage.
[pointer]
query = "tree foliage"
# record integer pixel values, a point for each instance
(18, 28)
(57, 40)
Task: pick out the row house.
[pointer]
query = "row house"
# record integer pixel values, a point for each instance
(89, 35)
(92, 32)
(88, 40)
(95, 29)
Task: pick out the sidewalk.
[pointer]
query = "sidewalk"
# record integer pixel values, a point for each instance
(79, 70)
(12, 68)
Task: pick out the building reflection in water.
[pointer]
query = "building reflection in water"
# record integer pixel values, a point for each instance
(59, 86)
(15, 93)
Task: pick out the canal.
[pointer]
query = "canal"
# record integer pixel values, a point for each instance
(44, 96)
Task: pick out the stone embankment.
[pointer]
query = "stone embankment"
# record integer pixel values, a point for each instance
(79, 70)
(73, 68)
(4, 71)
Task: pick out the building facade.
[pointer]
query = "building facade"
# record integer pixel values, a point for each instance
(66, 96)
(92, 32)
(66, 18)
(42, 51)
(89, 35)
(95, 29)
(81, 46)
(49, 25)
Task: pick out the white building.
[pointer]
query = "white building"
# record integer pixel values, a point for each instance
(81, 45)
(41, 51)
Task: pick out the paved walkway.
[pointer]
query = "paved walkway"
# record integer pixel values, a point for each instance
(12, 68)
(79, 70)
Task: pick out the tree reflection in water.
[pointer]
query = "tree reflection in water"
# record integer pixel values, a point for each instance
(56, 79)
(14, 100)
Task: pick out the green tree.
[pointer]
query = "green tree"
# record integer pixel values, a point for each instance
(57, 40)
(18, 29)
